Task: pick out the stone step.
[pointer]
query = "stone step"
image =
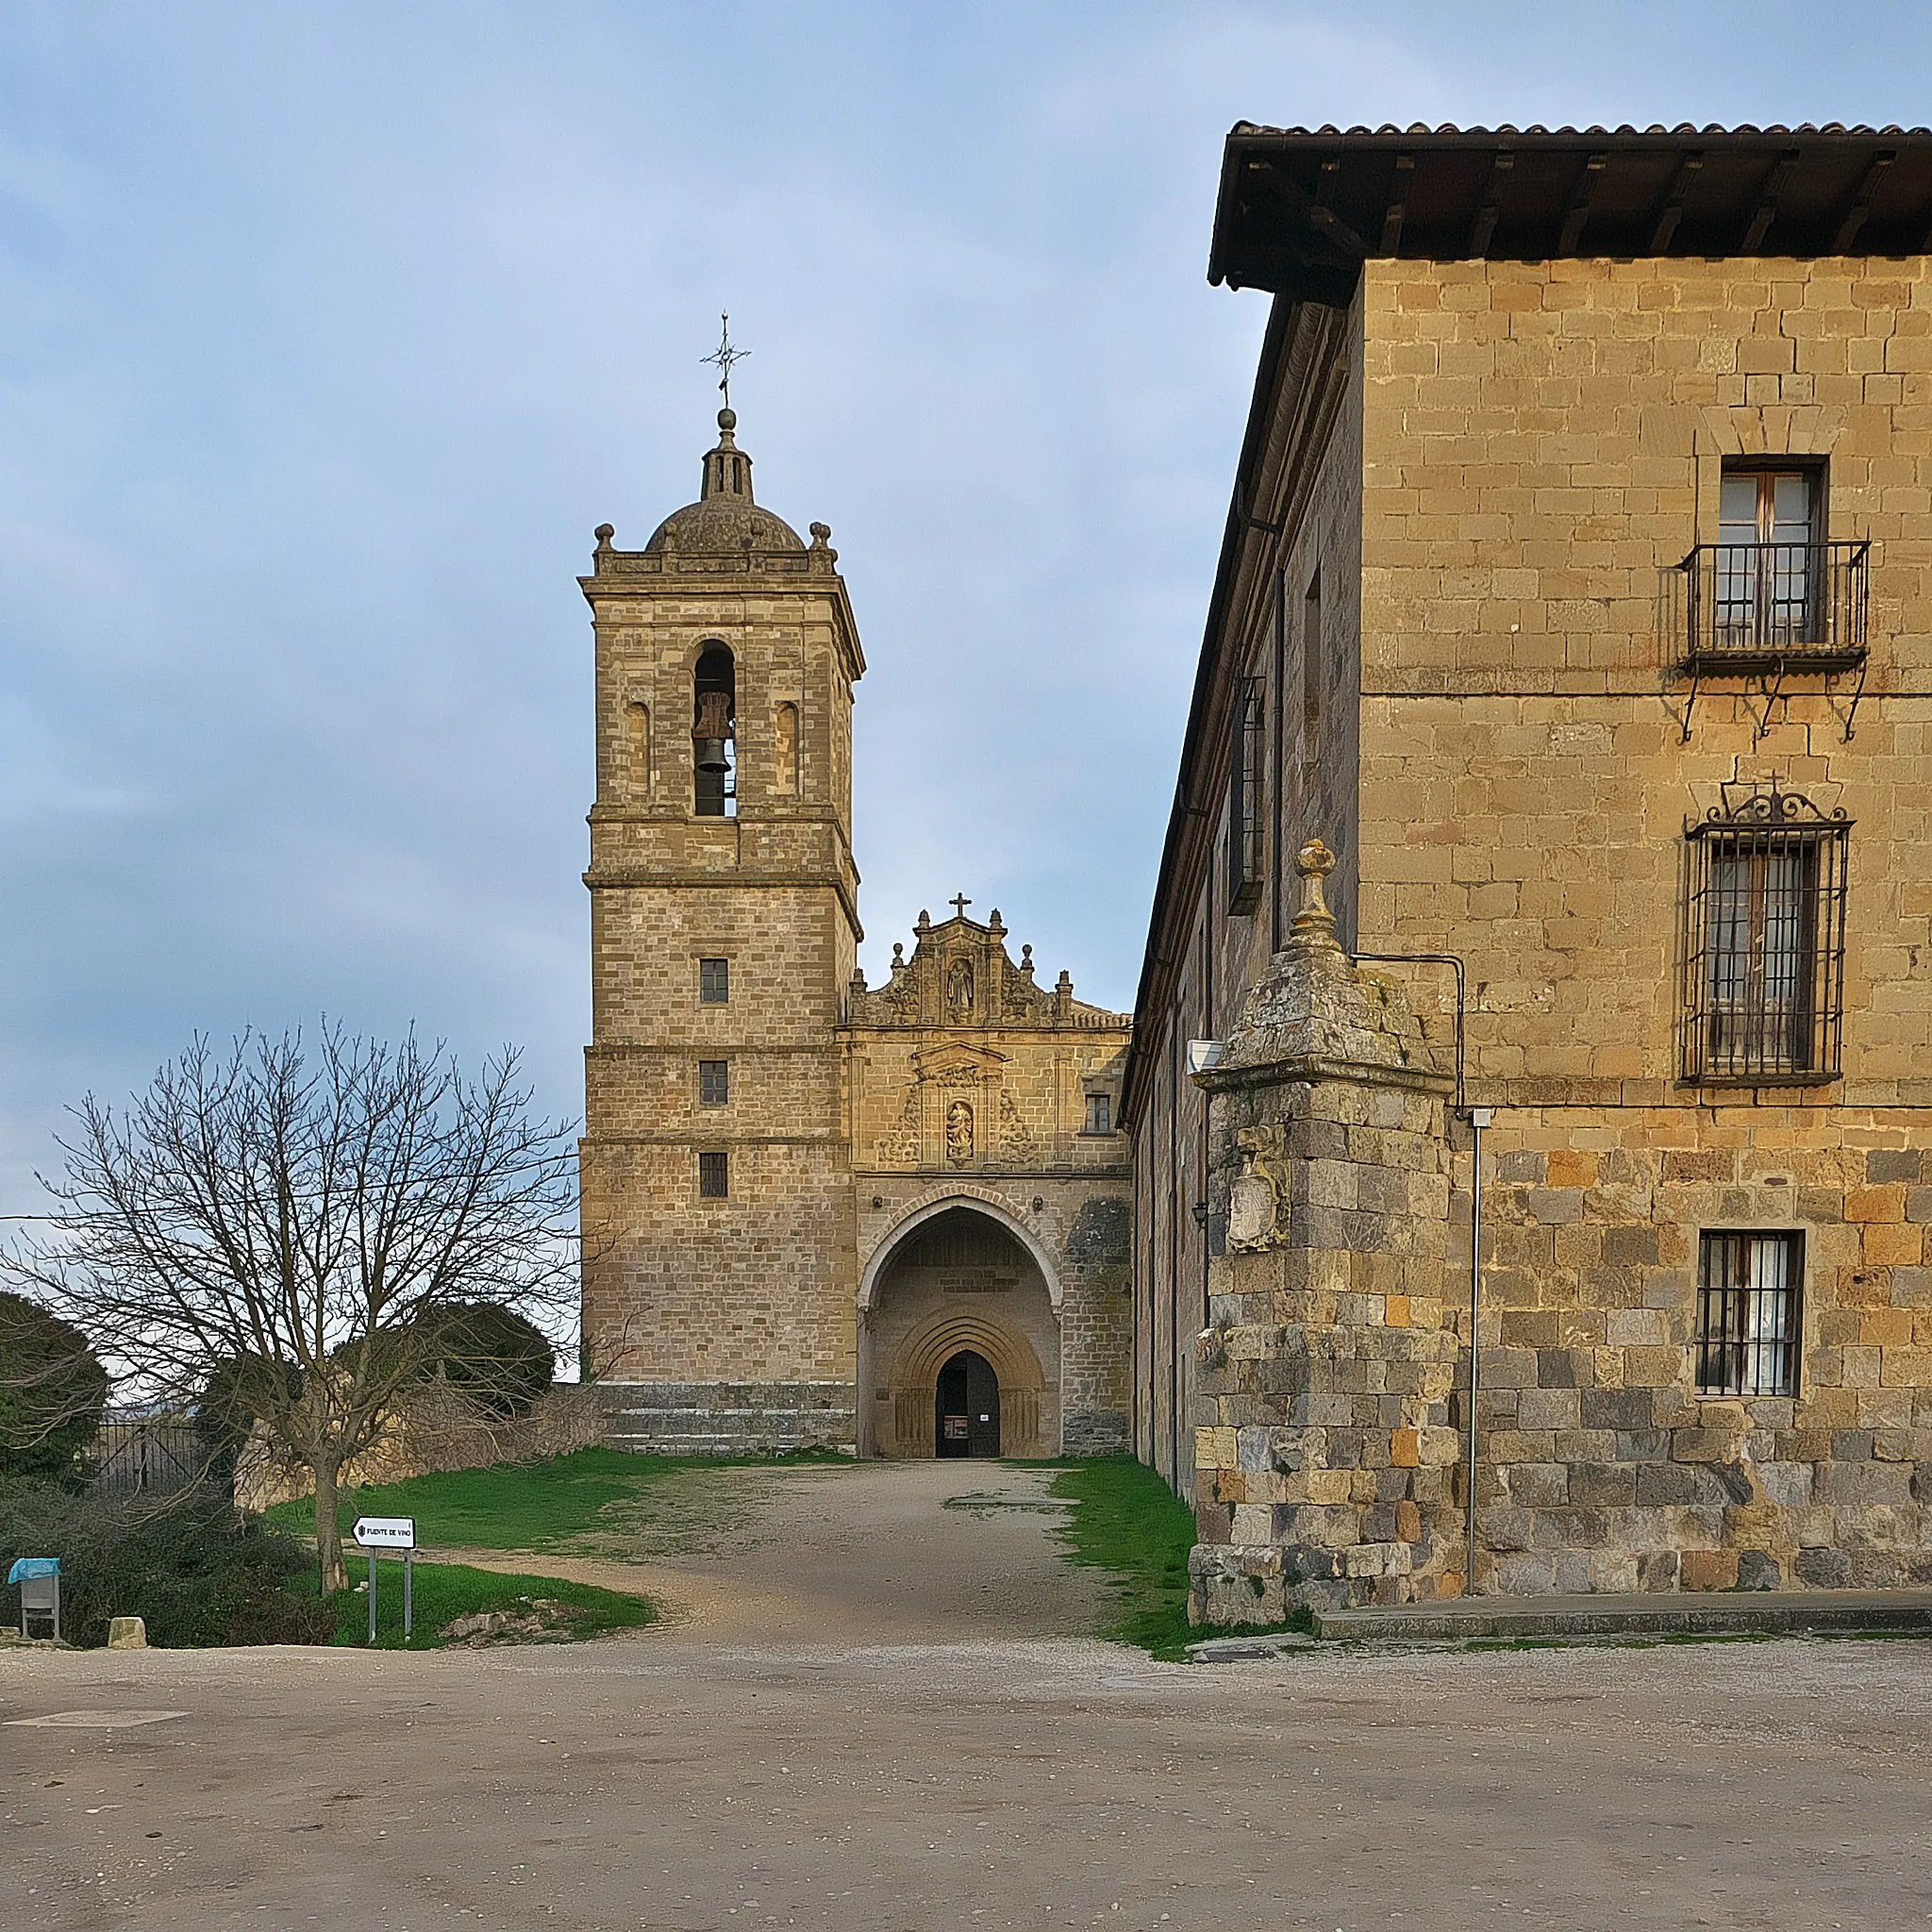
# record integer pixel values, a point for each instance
(1677, 1613)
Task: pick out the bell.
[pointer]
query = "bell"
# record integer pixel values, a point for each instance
(713, 728)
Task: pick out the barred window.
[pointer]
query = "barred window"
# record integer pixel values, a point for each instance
(1245, 785)
(714, 982)
(714, 1176)
(714, 1083)
(1748, 1315)
(1763, 941)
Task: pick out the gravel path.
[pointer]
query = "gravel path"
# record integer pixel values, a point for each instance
(859, 1553)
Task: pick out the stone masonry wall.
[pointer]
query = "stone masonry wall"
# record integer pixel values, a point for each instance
(1601, 1468)
(1543, 444)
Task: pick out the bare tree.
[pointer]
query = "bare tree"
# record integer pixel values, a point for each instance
(299, 1239)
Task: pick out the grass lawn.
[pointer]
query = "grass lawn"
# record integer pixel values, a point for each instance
(540, 1609)
(515, 1506)
(1128, 1521)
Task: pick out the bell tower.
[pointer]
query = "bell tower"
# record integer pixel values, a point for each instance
(719, 1240)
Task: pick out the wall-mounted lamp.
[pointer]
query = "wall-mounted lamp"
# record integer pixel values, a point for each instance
(1203, 1053)
(1200, 1214)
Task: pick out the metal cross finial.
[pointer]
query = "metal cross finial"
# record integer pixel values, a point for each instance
(960, 903)
(726, 354)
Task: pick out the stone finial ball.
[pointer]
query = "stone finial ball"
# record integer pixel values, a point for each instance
(1314, 860)
(727, 419)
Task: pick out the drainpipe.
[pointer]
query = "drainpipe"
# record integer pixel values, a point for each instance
(1479, 1117)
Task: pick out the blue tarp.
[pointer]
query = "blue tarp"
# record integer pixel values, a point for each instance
(25, 1567)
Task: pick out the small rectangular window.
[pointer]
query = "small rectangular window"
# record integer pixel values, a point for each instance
(714, 1083)
(1748, 1316)
(1311, 669)
(714, 982)
(714, 1176)
(1099, 1113)
(1246, 782)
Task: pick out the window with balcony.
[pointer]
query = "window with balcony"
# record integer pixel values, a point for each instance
(1763, 942)
(1748, 1314)
(1771, 589)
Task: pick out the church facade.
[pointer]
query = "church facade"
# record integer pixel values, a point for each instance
(893, 1220)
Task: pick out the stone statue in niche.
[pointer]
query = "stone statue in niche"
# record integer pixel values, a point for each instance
(1257, 1202)
(960, 1133)
(959, 991)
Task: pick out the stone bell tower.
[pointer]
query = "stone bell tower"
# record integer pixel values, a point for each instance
(719, 1242)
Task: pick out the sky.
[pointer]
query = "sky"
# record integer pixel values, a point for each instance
(328, 333)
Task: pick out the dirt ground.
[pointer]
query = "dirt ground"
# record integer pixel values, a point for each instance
(829, 1553)
(911, 1774)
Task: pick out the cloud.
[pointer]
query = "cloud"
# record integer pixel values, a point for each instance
(333, 330)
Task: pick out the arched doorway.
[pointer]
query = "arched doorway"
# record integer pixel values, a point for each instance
(966, 1406)
(958, 1321)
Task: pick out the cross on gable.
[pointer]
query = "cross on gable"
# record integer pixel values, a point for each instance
(960, 903)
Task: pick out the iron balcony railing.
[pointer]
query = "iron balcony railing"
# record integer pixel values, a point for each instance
(1753, 605)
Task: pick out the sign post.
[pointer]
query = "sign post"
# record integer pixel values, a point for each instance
(374, 1533)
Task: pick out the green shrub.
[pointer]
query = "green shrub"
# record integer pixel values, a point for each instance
(52, 1390)
(192, 1566)
(496, 1358)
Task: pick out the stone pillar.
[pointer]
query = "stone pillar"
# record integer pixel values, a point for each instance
(1324, 1452)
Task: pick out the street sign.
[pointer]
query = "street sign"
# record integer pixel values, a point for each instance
(386, 1532)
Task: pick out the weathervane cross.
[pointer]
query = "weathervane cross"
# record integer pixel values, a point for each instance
(724, 356)
(960, 903)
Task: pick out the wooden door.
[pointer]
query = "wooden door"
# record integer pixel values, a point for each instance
(966, 1406)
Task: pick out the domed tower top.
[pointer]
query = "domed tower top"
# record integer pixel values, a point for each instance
(724, 518)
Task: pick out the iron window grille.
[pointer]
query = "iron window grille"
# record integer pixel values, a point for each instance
(714, 982)
(714, 1176)
(1245, 785)
(1748, 1312)
(714, 1083)
(1763, 941)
